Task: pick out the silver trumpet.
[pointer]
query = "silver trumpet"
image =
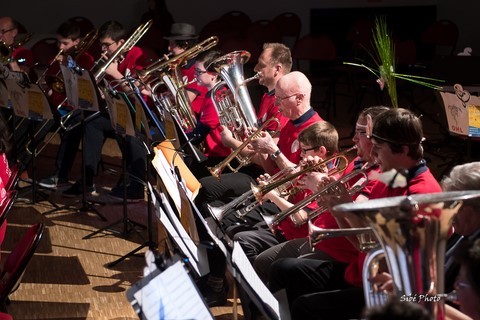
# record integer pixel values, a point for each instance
(412, 231)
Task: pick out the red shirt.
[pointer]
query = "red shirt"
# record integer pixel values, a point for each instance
(421, 181)
(268, 109)
(287, 142)
(131, 61)
(209, 117)
(188, 71)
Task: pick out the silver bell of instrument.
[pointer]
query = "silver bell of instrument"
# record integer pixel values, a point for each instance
(412, 231)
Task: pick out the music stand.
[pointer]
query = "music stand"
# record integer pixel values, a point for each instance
(81, 91)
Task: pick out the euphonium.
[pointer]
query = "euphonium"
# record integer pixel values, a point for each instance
(412, 231)
(216, 170)
(6, 51)
(342, 163)
(125, 47)
(340, 187)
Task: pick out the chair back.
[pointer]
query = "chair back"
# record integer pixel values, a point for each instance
(18, 259)
(263, 31)
(290, 25)
(84, 23)
(44, 50)
(7, 205)
(441, 36)
(14, 177)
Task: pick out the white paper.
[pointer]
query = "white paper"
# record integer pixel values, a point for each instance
(172, 295)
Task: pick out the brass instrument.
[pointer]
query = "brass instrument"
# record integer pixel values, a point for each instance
(340, 187)
(218, 213)
(172, 78)
(216, 170)
(412, 231)
(260, 191)
(235, 110)
(6, 51)
(317, 234)
(125, 47)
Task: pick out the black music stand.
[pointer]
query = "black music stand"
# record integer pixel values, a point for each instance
(90, 103)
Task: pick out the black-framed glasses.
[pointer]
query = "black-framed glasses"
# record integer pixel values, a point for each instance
(360, 132)
(279, 100)
(305, 150)
(199, 72)
(106, 44)
(6, 31)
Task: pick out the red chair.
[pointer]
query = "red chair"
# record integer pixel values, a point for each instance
(17, 261)
(7, 206)
(85, 24)
(290, 25)
(14, 177)
(441, 37)
(238, 21)
(263, 31)
(44, 50)
(235, 44)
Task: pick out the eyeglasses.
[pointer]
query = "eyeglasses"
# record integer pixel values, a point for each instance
(305, 150)
(106, 45)
(360, 133)
(279, 100)
(460, 284)
(199, 72)
(8, 30)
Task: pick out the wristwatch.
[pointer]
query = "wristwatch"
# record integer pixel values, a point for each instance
(274, 156)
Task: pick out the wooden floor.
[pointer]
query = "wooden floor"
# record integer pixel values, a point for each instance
(68, 278)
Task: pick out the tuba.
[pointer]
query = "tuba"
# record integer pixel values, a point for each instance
(235, 110)
(412, 231)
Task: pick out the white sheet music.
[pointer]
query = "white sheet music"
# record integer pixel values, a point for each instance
(175, 229)
(172, 295)
(245, 268)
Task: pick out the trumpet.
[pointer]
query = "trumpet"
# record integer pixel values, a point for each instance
(219, 212)
(316, 234)
(340, 187)
(260, 191)
(216, 171)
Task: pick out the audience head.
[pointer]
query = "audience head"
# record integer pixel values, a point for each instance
(467, 284)
(8, 30)
(397, 137)
(465, 177)
(274, 62)
(363, 129)
(182, 37)
(398, 310)
(320, 137)
(292, 93)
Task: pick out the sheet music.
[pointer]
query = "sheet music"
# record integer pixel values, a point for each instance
(28, 101)
(463, 112)
(80, 89)
(171, 295)
(240, 261)
(162, 167)
(175, 229)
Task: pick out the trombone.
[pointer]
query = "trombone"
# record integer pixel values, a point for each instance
(6, 50)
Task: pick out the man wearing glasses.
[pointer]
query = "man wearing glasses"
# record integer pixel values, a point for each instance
(21, 58)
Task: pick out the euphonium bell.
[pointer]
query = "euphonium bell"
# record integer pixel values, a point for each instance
(412, 231)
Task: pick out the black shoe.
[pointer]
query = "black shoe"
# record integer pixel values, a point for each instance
(134, 194)
(215, 298)
(77, 190)
(53, 182)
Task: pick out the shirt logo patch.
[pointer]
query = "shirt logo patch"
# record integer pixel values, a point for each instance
(295, 146)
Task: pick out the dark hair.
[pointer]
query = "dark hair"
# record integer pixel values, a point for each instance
(280, 54)
(321, 133)
(111, 29)
(399, 127)
(395, 309)
(373, 111)
(69, 30)
(207, 57)
(469, 256)
(186, 44)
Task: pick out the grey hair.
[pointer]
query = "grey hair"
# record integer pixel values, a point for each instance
(464, 177)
